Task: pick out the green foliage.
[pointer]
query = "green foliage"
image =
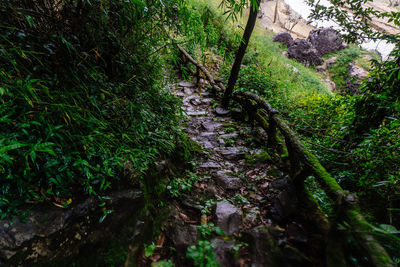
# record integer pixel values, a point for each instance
(208, 229)
(340, 70)
(162, 264)
(149, 250)
(206, 208)
(378, 157)
(80, 96)
(203, 254)
(178, 186)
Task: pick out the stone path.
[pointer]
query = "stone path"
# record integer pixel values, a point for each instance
(240, 190)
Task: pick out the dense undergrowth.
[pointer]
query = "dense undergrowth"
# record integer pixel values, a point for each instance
(82, 103)
(354, 136)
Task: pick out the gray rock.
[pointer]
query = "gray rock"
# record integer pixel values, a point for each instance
(221, 111)
(187, 91)
(232, 153)
(228, 217)
(356, 74)
(326, 40)
(284, 38)
(33, 240)
(331, 84)
(211, 125)
(196, 113)
(226, 181)
(230, 135)
(261, 247)
(224, 252)
(195, 101)
(207, 134)
(207, 145)
(185, 84)
(304, 52)
(210, 165)
(330, 61)
(285, 205)
(321, 68)
(192, 130)
(206, 101)
(184, 235)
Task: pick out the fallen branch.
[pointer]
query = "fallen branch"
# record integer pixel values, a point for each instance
(210, 79)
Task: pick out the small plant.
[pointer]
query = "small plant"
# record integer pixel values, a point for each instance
(207, 229)
(203, 254)
(149, 250)
(206, 209)
(179, 185)
(229, 130)
(162, 263)
(229, 141)
(239, 199)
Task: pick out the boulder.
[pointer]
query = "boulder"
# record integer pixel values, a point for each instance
(224, 251)
(186, 84)
(184, 235)
(221, 111)
(304, 52)
(209, 165)
(232, 153)
(330, 62)
(228, 217)
(226, 181)
(210, 126)
(356, 74)
(284, 38)
(262, 247)
(51, 233)
(326, 40)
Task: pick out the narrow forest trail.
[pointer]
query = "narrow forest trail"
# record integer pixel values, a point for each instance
(241, 190)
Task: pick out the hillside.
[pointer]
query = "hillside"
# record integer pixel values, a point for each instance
(172, 133)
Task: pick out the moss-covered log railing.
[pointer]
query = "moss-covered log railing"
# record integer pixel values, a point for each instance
(302, 164)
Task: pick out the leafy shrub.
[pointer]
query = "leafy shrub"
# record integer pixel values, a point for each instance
(378, 158)
(80, 97)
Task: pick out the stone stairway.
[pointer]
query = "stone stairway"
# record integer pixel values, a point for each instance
(239, 189)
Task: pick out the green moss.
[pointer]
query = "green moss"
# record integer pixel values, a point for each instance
(261, 157)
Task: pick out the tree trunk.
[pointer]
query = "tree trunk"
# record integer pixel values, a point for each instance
(240, 53)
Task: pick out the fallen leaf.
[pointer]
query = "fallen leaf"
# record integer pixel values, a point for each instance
(161, 240)
(184, 216)
(203, 186)
(203, 219)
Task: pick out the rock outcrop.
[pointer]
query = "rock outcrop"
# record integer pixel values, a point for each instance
(284, 38)
(52, 233)
(304, 52)
(309, 52)
(326, 40)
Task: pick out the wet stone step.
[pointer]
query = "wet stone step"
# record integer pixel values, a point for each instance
(195, 101)
(210, 125)
(221, 111)
(186, 84)
(230, 135)
(232, 153)
(210, 165)
(197, 113)
(226, 181)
